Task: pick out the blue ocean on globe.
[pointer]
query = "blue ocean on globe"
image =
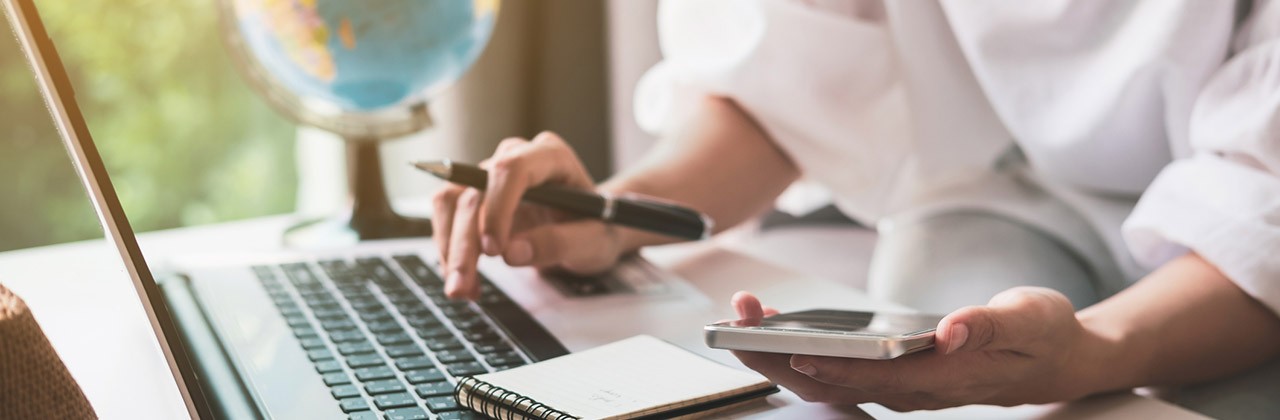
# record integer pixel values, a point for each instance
(365, 55)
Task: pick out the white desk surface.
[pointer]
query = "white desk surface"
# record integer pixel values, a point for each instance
(86, 304)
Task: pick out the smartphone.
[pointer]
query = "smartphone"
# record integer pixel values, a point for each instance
(828, 332)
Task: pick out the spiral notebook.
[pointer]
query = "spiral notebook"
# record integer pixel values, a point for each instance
(639, 377)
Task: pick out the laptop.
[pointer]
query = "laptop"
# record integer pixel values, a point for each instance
(363, 332)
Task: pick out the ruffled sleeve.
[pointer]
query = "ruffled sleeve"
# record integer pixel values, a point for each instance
(1223, 201)
(818, 76)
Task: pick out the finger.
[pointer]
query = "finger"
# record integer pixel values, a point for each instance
(777, 368)
(769, 311)
(464, 247)
(444, 203)
(748, 307)
(546, 159)
(506, 146)
(582, 246)
(1011, 319)
(509, 144)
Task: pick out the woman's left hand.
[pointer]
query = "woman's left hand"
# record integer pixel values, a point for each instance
(1024, 346)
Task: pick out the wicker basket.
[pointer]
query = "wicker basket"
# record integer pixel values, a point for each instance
(33, 382)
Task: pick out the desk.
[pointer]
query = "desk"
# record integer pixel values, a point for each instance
(84, 300)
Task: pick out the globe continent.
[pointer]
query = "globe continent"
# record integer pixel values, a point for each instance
(365, 55)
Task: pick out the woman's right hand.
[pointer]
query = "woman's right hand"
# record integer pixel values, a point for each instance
(468, 222)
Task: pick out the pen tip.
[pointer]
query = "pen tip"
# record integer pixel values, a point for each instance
(441, 168)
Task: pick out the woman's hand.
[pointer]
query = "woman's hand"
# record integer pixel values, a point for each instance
(1025, 346)
(469, 222)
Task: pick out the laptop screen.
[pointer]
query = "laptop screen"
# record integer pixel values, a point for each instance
(109, 73)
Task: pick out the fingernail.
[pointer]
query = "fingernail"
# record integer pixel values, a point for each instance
(519, 252)
(805, 368)
(959, 333)
(489, 245)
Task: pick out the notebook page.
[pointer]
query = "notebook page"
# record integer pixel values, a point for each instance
(636, 375)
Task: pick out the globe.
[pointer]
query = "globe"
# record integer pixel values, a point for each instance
(364, 70)
(362, 56)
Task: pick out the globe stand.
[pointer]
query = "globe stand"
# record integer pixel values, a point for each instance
(370, 216)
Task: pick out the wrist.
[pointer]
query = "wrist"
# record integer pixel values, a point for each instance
(1106, 358)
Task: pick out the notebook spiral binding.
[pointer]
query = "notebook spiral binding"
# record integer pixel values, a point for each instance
(501, 403)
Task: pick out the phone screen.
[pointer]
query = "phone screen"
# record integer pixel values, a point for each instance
(846, 322)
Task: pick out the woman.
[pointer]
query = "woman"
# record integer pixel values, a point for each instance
(1120, 157)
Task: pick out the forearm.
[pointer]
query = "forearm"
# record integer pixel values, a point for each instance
(1184, 323)
(718, 161)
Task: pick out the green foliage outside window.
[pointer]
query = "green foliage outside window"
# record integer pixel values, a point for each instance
(184, 138)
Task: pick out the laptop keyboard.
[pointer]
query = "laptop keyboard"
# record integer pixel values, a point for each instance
(385, 338)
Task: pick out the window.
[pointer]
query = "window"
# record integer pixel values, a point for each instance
(185, 139)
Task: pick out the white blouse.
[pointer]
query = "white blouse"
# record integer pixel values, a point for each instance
(899, 106)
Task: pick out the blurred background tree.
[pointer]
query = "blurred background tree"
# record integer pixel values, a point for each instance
(185, 140)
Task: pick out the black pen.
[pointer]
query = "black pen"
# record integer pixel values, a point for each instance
(640, 213)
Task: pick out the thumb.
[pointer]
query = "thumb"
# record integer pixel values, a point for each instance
(582, 246)
(1010, 319)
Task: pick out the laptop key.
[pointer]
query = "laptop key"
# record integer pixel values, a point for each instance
(365, 360)
(503, 359)
(357, 347)
(388, 339)
(415, 311)
(396, 400)
(328, 366)
(492, 347)
(373, 373)
(438, 297)
(304, 331)
(330, 313)
(290, 310)
(442, 404)
(434, 332)
(480, 336)
(321, 302)
(297, 321)
(462, 415)
(383, 386)
(508, 365)
(455, 312)
(343, 336)
(336, 378)
(414, 363)
(353, 404)
(466, 368)
(470, 323)
(404, 296)
(454, 356)
(337, 324)
(434, 389)
(312, 343)
(443, 343)
(424, 321)
(419, 376)
(385, 326)
(319, 354)
(375, 315)
(299, 274)
(344, 391)
(363, 415)
(408, 350)
(365, 304)
(410, 413)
